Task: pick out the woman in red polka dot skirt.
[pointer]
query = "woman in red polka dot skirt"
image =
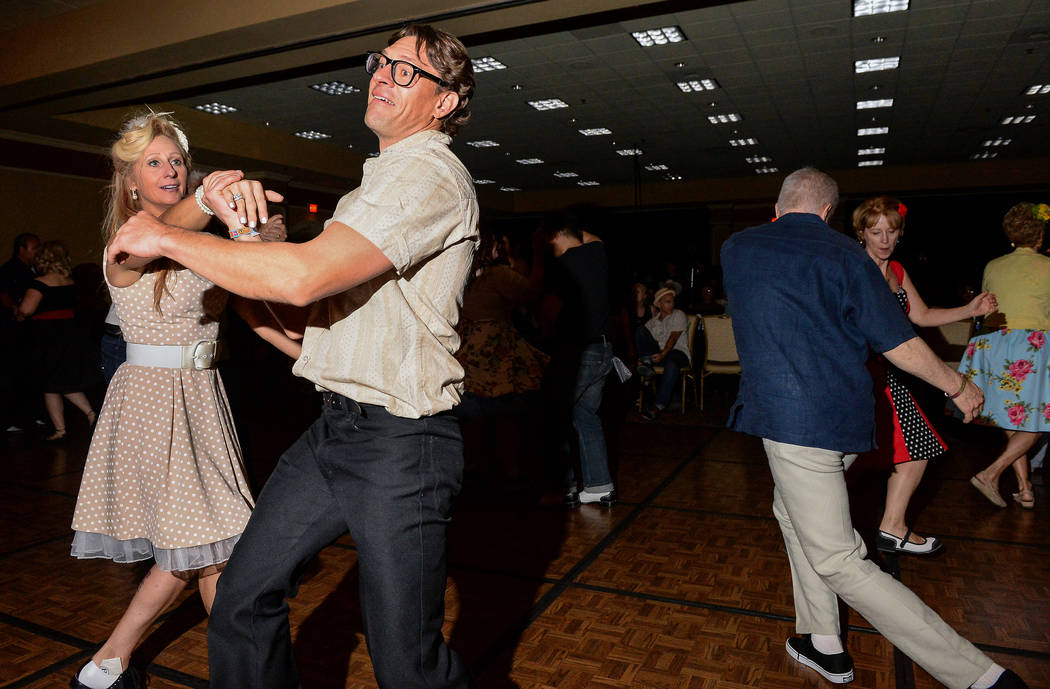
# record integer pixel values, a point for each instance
(163, 477)
(904, 434)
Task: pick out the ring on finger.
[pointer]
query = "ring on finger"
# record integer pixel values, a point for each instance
(237, 197)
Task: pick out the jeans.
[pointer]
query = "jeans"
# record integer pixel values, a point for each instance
(391, 481)
(595, 364)
(114, 353)
(674, 362)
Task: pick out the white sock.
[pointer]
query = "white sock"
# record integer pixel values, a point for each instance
(828, 644)
(95, 677)
(990, 677)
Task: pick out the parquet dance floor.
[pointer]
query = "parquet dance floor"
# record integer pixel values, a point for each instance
(684, 584)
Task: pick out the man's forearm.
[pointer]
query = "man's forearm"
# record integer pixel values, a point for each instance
(915, 357)
(257, 270)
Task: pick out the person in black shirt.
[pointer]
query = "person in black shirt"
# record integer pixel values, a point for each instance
(15, 384)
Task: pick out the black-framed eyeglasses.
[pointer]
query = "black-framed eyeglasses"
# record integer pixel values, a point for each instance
(403, 73)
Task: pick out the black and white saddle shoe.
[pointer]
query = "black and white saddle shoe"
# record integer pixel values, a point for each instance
(129, 679)
(888, 543)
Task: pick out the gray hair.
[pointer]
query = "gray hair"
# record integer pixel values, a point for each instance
(808, 190)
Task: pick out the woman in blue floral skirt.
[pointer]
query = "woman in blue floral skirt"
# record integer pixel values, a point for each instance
(1012, 365)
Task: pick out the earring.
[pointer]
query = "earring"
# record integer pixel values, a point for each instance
(135, 194)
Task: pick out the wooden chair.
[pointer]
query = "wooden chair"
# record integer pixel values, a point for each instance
(720, 355)
(685, 374)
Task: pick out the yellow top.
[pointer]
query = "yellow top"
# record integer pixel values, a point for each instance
(1020, 282)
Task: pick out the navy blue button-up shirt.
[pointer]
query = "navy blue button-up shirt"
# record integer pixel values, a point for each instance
(807, 303)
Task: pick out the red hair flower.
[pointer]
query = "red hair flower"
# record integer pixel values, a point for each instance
(902, 209)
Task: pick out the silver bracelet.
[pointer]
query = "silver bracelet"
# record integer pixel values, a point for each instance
(199, 195)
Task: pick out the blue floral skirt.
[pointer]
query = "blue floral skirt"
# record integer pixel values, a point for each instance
(1012, 367)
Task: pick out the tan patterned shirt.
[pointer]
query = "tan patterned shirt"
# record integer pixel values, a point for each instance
(390, 341)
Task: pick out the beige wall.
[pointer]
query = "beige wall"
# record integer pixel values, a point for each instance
(53, 207)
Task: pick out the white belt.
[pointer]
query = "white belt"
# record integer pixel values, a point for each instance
(199, 356)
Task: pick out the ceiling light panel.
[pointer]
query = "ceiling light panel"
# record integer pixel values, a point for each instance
(629, 152)
(529, 161)
(758, 159)
(696, 85)
(742, 142)
(1037, 90)
(1018, 119)
(484, 181)
(487, 64)
(996, 142)
(662, 36)
(877, 151)
(484, 143)
(335, 88)
(596, 131)
(862, 8)
(216, 108)
(871, 104)
(588, 183)
(878, 64)
(510, 189)
(313, 135)
(725, 118)
(872, 131)
(983, 155)
(565, 175)
(656, 167)
(548, 104)
(766, 170)
(869, 163)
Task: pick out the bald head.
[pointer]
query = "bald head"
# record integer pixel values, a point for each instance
(808, 190)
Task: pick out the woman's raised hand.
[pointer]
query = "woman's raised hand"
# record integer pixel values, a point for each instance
(236, 201)
(983, 304)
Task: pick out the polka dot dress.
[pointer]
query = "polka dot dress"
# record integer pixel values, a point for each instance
(164, 476)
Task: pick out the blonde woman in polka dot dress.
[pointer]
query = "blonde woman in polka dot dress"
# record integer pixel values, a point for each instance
(164, 477)
(904, 434)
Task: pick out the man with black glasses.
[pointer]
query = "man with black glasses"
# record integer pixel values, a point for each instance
(385, 459)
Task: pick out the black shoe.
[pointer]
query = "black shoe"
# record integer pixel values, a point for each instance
(571, 500)
(606, 499)
(129, 679)
(888, 543)
(1009, 680)
(646, 371)
(836, 667)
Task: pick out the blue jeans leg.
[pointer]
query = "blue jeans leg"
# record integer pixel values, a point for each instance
(114, 352)
(672, 363)
(595, 364)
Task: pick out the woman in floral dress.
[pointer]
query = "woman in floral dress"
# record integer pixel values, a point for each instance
(1011, 365)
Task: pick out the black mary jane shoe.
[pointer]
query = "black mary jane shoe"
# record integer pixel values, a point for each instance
(129, 679)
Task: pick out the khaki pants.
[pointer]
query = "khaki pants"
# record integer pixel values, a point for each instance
(827, 558)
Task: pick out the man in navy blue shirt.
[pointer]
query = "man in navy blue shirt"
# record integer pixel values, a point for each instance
(807, 305)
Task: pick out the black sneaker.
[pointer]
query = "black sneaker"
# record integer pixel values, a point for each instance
(836, 667)
(1009, 680)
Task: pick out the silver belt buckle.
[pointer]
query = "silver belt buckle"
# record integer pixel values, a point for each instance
(203, 355)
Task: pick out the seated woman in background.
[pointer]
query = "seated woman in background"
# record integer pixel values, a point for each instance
(63, 356)
(1011, 365)
(662, 342)
(906, 438)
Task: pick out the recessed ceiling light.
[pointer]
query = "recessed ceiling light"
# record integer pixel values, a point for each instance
(984, 155)
(588, 183)
(334, 88)
(997, 142)
(724, 118)
(548, 104)
(871, 131)
(766, 170)
(758, 159)
(679, 65)
(597, 131)
(1018, 119)
(313, 135)
(879, 39)
(565, 175)
(696, 85)
(516, 87)
(373, 154)
(1037, 90)
(869, 163)
(216, 108)
(742, 142)
(661, 36)
(529, 161)
(629, 152)
(487, 64)
(655, 167)
(877, 64)
(863, 8)
(484, 181)
(869, 104)
(673, 178)
(349, 145)
(484, 143)
(510, 189)
(870, 151)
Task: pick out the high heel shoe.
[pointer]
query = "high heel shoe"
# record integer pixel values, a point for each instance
(990, 492)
